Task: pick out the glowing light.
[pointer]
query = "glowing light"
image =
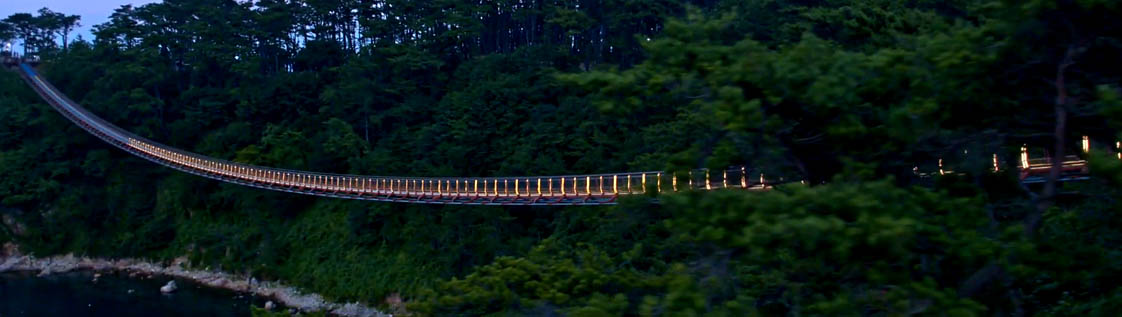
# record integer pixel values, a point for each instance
(644, 183)
(629, 184)
(1086, 144)
(588, 185)
(615, 184)
(1024, 157)
(707, 187)
(743, 177)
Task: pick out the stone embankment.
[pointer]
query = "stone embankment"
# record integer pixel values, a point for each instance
(11, 260)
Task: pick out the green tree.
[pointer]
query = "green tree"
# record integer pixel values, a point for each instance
(22, 25)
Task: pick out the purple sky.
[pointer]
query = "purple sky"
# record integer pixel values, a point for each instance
(93, 12)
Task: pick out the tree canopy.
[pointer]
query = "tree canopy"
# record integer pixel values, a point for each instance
(37, 33)
(861, 101)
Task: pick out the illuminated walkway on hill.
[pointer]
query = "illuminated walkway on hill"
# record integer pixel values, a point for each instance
(591, 189)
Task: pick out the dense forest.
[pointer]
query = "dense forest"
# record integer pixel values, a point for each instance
(851, 97)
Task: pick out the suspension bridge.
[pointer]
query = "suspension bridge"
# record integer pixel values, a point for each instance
(587, 189)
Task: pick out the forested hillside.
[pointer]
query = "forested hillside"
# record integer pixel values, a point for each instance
(855, 98)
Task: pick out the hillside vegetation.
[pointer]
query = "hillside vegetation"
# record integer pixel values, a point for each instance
(852, 97)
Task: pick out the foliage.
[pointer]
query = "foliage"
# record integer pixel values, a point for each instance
(834, 249)
(862, 100)
(37, 32)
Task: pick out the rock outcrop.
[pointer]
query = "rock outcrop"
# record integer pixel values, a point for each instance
(169, 287)
(285, 295)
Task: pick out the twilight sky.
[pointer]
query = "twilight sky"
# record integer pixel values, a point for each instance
(93, 12)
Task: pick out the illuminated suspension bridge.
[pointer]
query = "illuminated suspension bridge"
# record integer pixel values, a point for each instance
(591, 189)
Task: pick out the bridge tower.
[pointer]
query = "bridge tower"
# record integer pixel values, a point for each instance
(10, 59)
(6, 55)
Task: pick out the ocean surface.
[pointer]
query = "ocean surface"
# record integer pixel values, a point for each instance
(76, 294)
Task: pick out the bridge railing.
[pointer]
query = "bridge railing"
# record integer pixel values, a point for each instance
(612, 184)
(609, 184)
(604, 187)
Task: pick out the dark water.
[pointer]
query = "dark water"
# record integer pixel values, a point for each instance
(74, 294)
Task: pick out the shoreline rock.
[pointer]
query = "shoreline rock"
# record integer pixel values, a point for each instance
(170, 287)
(284, 295)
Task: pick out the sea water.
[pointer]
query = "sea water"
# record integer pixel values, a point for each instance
(115, 294)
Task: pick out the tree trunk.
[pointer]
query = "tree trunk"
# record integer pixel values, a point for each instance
(992, 272)
(1047, 198)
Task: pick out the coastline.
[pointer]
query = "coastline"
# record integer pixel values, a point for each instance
(285, 295)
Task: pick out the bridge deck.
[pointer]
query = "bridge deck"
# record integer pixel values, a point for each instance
(591, 189)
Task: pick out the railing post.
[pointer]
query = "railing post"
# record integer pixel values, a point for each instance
(674, 181)
(615, 184)
(743, 177)
(707, 187)
(644, 182)
(601, 184)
